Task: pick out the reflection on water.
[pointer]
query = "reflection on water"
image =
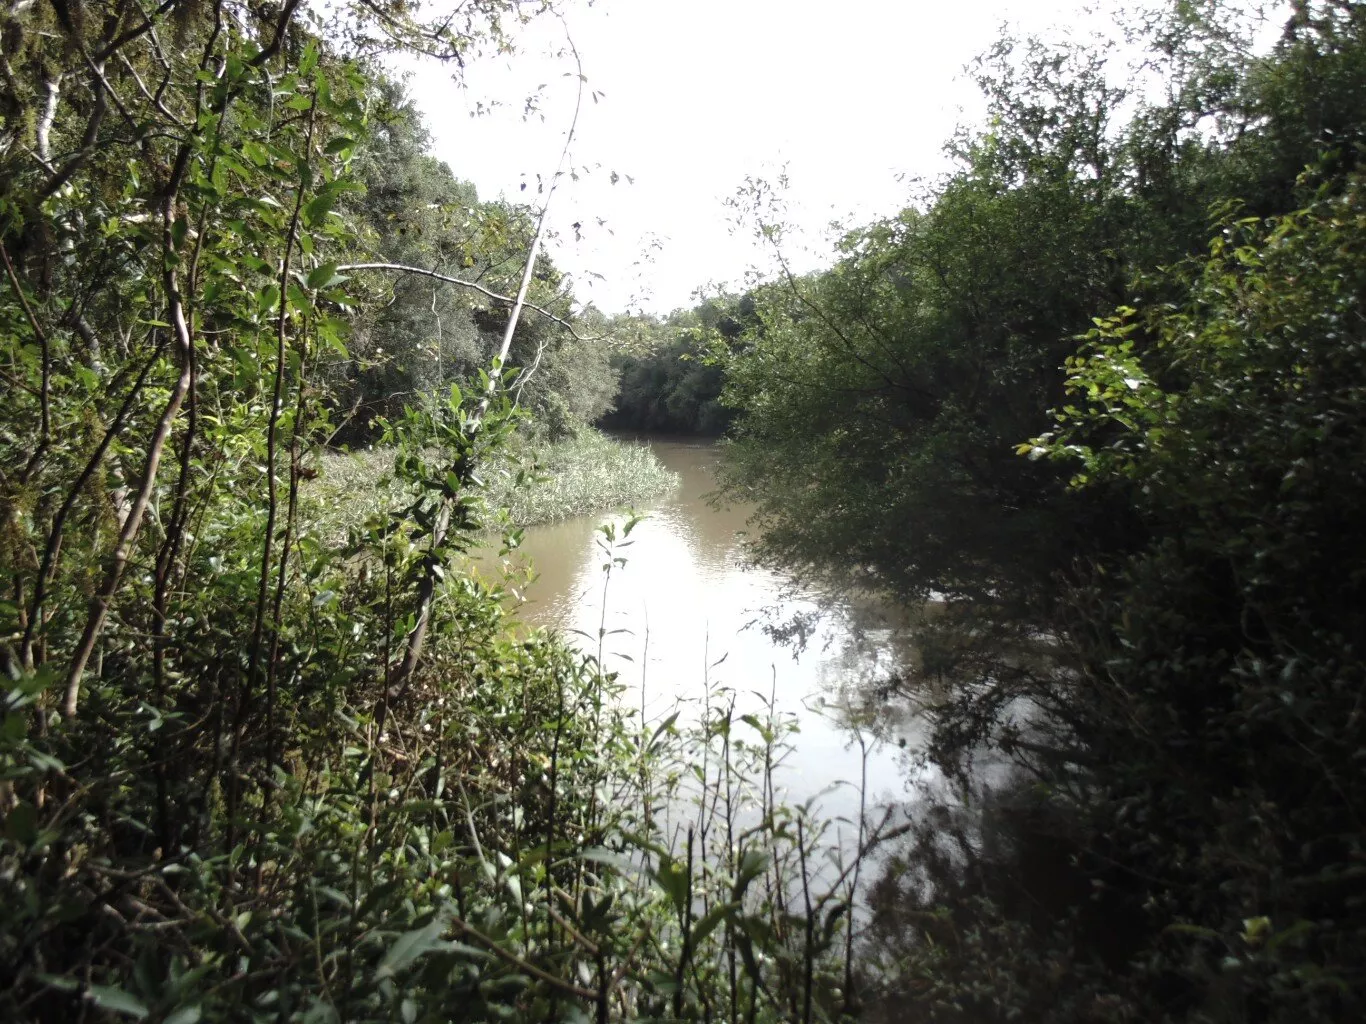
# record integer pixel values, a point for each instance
(684, 612)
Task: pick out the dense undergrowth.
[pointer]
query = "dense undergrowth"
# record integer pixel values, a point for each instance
(256, 766)
(502, 840)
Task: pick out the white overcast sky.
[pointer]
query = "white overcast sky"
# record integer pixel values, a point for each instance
(854, 100)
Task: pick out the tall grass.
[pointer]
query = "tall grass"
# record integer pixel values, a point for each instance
(588, 472)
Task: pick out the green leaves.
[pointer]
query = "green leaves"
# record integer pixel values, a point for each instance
(412, 945)
(753, 864)
(709, 921)
(325, 276)
(21, 823)
(256, 152)
(185, 1015)
(674, 881)
(117, 1001)
(268, 300)
(315, 211)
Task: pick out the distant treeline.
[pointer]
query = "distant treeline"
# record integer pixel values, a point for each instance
(670, 380)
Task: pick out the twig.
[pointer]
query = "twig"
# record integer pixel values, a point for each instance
(625, 964)
(227, 924)
(808, 952)
(45, 394)
(578, 936)
(512, 958)
(272, 443)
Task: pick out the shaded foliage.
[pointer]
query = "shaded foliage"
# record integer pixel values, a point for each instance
(1173, 560)
(670, 384)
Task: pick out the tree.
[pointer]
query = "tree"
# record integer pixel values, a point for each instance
(881, 400)
(438, 322)
(1174, 557)
(669, 381)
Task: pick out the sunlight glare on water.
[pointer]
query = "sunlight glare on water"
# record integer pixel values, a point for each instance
(684, 611)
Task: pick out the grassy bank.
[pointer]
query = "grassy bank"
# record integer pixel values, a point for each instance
(586, 473)
(589, 472)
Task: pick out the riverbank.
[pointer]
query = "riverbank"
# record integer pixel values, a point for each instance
(579, 475)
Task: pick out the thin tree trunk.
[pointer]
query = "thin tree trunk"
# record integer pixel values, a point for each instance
(399, 678)
(99, 605)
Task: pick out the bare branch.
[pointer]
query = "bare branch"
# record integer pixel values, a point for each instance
(507, 300)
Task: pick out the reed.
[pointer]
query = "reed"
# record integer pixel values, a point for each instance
(588, 472)
(537, 482)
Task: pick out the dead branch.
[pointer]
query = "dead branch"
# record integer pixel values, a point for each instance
(460, 282)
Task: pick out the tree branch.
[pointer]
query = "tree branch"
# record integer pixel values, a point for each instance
(512, 958)
(398, 682)
(280, 26)
(506, 300)
(99, 604)
(59, 520)
(53, 87)
(87, 147)
(127, 37)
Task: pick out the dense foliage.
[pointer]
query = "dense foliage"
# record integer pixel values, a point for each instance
(1095, 403)
(250, 770)
(1121, 459)
(419, 334)
(668, 383)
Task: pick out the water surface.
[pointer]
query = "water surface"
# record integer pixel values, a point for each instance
(685, 613)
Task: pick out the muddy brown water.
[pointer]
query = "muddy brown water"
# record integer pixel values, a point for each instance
(685, 612)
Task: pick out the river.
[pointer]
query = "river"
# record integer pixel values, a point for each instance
(684, 612)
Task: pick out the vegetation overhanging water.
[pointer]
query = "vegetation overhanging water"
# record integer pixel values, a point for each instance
(1088, 410)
